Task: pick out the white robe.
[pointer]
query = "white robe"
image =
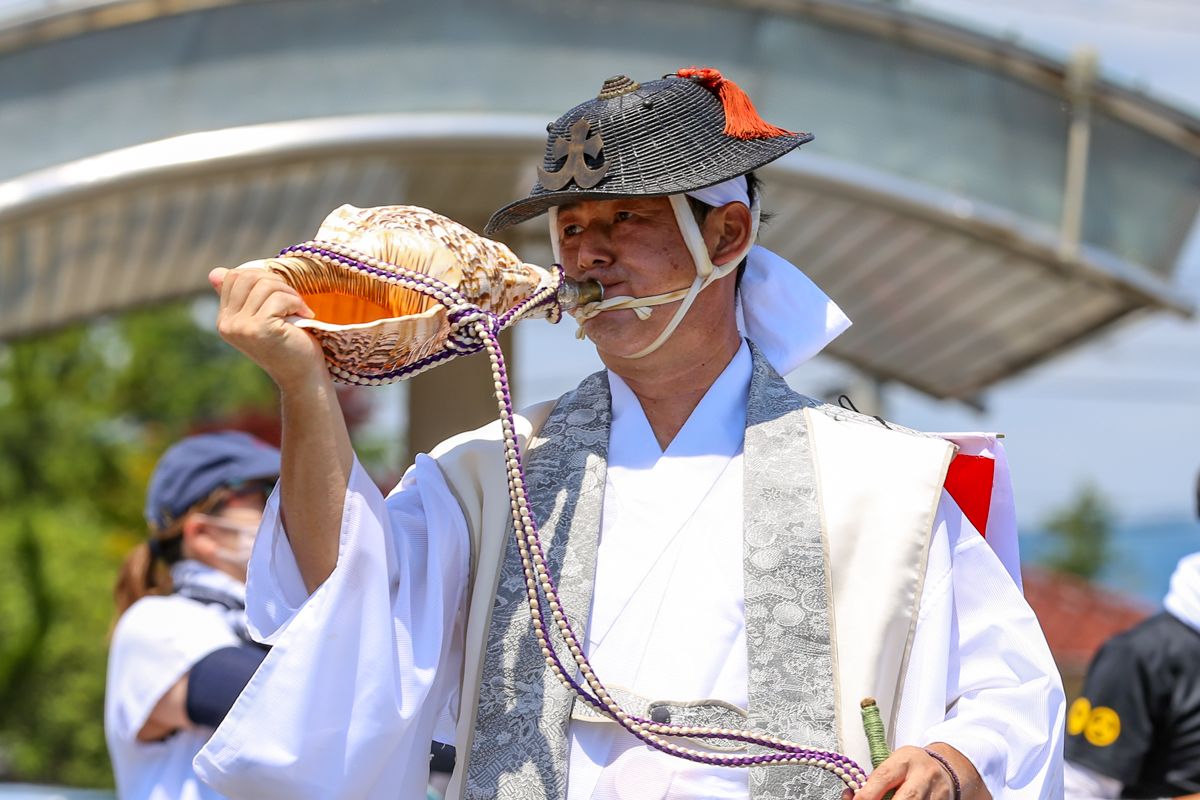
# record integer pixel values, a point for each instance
(366, 672)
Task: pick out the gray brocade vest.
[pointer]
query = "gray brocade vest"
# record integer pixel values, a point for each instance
(513, 733)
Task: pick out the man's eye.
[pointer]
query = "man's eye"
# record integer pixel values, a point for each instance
(571, 230)
(622, 216)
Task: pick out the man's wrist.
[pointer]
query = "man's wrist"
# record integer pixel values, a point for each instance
(970, 782)
(308, 379)
(945, 764)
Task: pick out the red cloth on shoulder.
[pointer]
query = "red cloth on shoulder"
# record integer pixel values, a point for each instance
(969, 482)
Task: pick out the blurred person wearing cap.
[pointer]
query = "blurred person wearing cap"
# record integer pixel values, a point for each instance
(180, 653)
(1135, 731)
(705, 527)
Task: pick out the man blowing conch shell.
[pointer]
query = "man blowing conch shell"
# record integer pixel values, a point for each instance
(730, 553)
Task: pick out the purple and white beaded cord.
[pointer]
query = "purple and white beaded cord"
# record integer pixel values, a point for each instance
(474, 329)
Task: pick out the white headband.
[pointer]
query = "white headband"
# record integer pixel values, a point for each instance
(783, 312)
(734, 190)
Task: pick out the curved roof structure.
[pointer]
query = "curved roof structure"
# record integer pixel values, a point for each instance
(974, 206)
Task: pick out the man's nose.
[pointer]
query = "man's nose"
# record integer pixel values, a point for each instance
(595, 248)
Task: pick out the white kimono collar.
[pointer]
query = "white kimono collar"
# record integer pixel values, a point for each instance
(716, 426)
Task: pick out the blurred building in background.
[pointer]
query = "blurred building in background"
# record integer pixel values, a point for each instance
(975, 206)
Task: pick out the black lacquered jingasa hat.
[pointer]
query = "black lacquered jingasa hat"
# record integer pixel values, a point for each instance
(685, 132)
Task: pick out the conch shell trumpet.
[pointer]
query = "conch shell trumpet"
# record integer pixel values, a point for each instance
(398, 289)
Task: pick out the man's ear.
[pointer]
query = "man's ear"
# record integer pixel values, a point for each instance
(730, 224)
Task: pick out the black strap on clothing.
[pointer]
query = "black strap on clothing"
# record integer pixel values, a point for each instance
(216, 680)
(209, 597)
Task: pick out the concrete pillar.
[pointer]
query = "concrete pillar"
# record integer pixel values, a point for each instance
(452, 398)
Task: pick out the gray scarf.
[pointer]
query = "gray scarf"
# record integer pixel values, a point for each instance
(204, 584)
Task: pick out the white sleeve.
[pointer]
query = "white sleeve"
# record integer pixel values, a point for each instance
(349, 698)
(981, 677)
(156, 642)
(1085, 784)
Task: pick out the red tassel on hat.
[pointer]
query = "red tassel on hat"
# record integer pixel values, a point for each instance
(741, 119)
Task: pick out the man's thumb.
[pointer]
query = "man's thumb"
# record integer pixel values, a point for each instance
(217, 277)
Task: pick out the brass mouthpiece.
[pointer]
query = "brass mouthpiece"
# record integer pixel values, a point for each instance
(572, 294)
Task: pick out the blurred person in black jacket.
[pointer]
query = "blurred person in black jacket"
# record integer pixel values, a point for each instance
(1135, 732)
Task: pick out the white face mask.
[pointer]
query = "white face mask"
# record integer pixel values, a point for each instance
(238, 553)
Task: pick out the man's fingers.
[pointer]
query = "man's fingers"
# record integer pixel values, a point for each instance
(876, 789)
(228, 280)
(913, 773)
(237, 287)
(885, 777)
(303, 310)
(282, 304)
(243, 291)
(264, 289)
(254, 305)
(273, 301)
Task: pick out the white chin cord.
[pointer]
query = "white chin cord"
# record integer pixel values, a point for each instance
(706, 274)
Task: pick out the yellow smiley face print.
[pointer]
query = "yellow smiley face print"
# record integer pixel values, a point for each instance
(1103, 727)
(1077, 717)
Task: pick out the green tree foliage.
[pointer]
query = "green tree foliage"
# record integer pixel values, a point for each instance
(84, 414)
(1082, 535)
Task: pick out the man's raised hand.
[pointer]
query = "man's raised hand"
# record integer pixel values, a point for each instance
(254, 306)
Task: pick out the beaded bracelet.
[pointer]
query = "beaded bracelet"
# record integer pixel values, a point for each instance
(941, 759)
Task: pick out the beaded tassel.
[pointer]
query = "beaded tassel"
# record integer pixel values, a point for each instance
(474, 329)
